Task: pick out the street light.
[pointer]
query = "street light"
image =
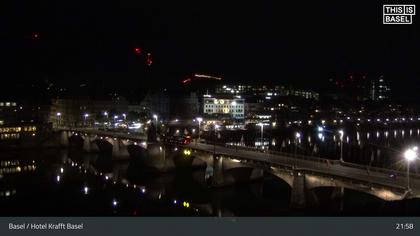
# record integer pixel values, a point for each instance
(59, 118)
(410, 155)
(156, 126)
(320, 129)
(216, 126)
(297, 136)
(86, 115)
(262, 133)
(199, 119)
(107, 117)
(341, 132)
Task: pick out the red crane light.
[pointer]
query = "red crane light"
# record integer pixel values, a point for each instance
(137, 50)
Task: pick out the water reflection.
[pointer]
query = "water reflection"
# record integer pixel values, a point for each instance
(95, 184)
(359, 143)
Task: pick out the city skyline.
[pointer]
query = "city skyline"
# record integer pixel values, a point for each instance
(95, 44)
(210, 108)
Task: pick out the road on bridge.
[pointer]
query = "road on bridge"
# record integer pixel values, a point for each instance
(322, 166)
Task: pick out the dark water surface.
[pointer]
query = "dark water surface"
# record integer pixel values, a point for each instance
(71, 183)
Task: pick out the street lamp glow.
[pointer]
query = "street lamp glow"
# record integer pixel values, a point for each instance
(410, 154)
(341, 132)
(58, 113)
(298, 135)
(262, 133)
(199, 119)
(320, 129)
(155, 116)
(105, 113)
(86, 115)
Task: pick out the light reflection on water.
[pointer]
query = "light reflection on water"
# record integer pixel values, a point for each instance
(359, 145)
(80, 184)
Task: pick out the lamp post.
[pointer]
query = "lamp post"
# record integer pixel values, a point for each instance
(156, 123)
(115, 121)
(199, 119)
(410, 155)
(58, 119)
(214, 139)
(107, 118)
(297, 137)
(320, 129)
(262, 134)
(86, 115)
(341, 132)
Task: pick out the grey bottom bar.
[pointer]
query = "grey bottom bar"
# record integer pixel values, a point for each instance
(158, 226)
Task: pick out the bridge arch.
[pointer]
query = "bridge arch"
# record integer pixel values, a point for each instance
(315, 181)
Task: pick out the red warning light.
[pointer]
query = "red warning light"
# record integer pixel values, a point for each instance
(137, 50)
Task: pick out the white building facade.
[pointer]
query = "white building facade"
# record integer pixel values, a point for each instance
(233, 107)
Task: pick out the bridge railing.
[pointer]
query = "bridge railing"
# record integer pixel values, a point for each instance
(284, 154)
(380, 170)
(105, 133)
(327, 161)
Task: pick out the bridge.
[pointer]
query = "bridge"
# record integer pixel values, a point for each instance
(95, 140)
(227, 165)
(303, 173)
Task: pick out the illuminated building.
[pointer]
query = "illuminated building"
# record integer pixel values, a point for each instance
(360, 88)
(233, 108)
(379, 90)
(265, 90)
(71, 112)
(17, 132)
(8, 112)
(7, 104)
(15, 166)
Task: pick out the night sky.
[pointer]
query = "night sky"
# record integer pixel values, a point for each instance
(69, 43)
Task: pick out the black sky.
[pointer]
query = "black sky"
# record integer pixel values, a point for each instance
(302, 43)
